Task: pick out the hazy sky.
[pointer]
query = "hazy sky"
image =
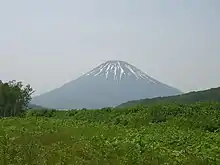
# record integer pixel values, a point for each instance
(46, 43)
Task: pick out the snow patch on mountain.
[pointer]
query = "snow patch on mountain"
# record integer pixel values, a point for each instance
(119, 70)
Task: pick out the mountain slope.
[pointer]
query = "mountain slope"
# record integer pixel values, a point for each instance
(212, 94)
(109, 84)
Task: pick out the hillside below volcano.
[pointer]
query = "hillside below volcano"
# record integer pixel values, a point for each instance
(209, 95)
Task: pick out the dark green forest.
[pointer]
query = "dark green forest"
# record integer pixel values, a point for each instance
(14, 98)
(212, 94)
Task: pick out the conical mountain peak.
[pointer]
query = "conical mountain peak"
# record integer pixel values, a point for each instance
(109, 84)
(119, 70)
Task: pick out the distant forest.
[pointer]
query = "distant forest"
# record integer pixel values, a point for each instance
(212, 94)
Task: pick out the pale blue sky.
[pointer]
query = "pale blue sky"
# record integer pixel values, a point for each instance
(49, 42)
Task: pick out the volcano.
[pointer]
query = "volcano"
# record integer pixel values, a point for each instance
(108, 85)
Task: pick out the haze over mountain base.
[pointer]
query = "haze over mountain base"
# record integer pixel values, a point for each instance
(108, 85)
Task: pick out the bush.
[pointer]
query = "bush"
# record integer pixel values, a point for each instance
(72, 112)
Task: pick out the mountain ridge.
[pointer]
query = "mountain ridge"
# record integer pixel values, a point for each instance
(212, 94)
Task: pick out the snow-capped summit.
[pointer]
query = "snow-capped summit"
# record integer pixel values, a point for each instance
(119, 70)
(107, 85)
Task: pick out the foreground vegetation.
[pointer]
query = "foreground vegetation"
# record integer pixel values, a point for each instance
(160, 134)
(166, 131)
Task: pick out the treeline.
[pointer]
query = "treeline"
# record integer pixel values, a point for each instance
(212, 94)
(14, 98)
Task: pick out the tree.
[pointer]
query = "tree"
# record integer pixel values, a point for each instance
(14, 98)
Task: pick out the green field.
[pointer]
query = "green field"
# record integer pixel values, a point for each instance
(160, 134)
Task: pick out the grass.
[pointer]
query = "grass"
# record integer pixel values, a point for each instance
(162, 134)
